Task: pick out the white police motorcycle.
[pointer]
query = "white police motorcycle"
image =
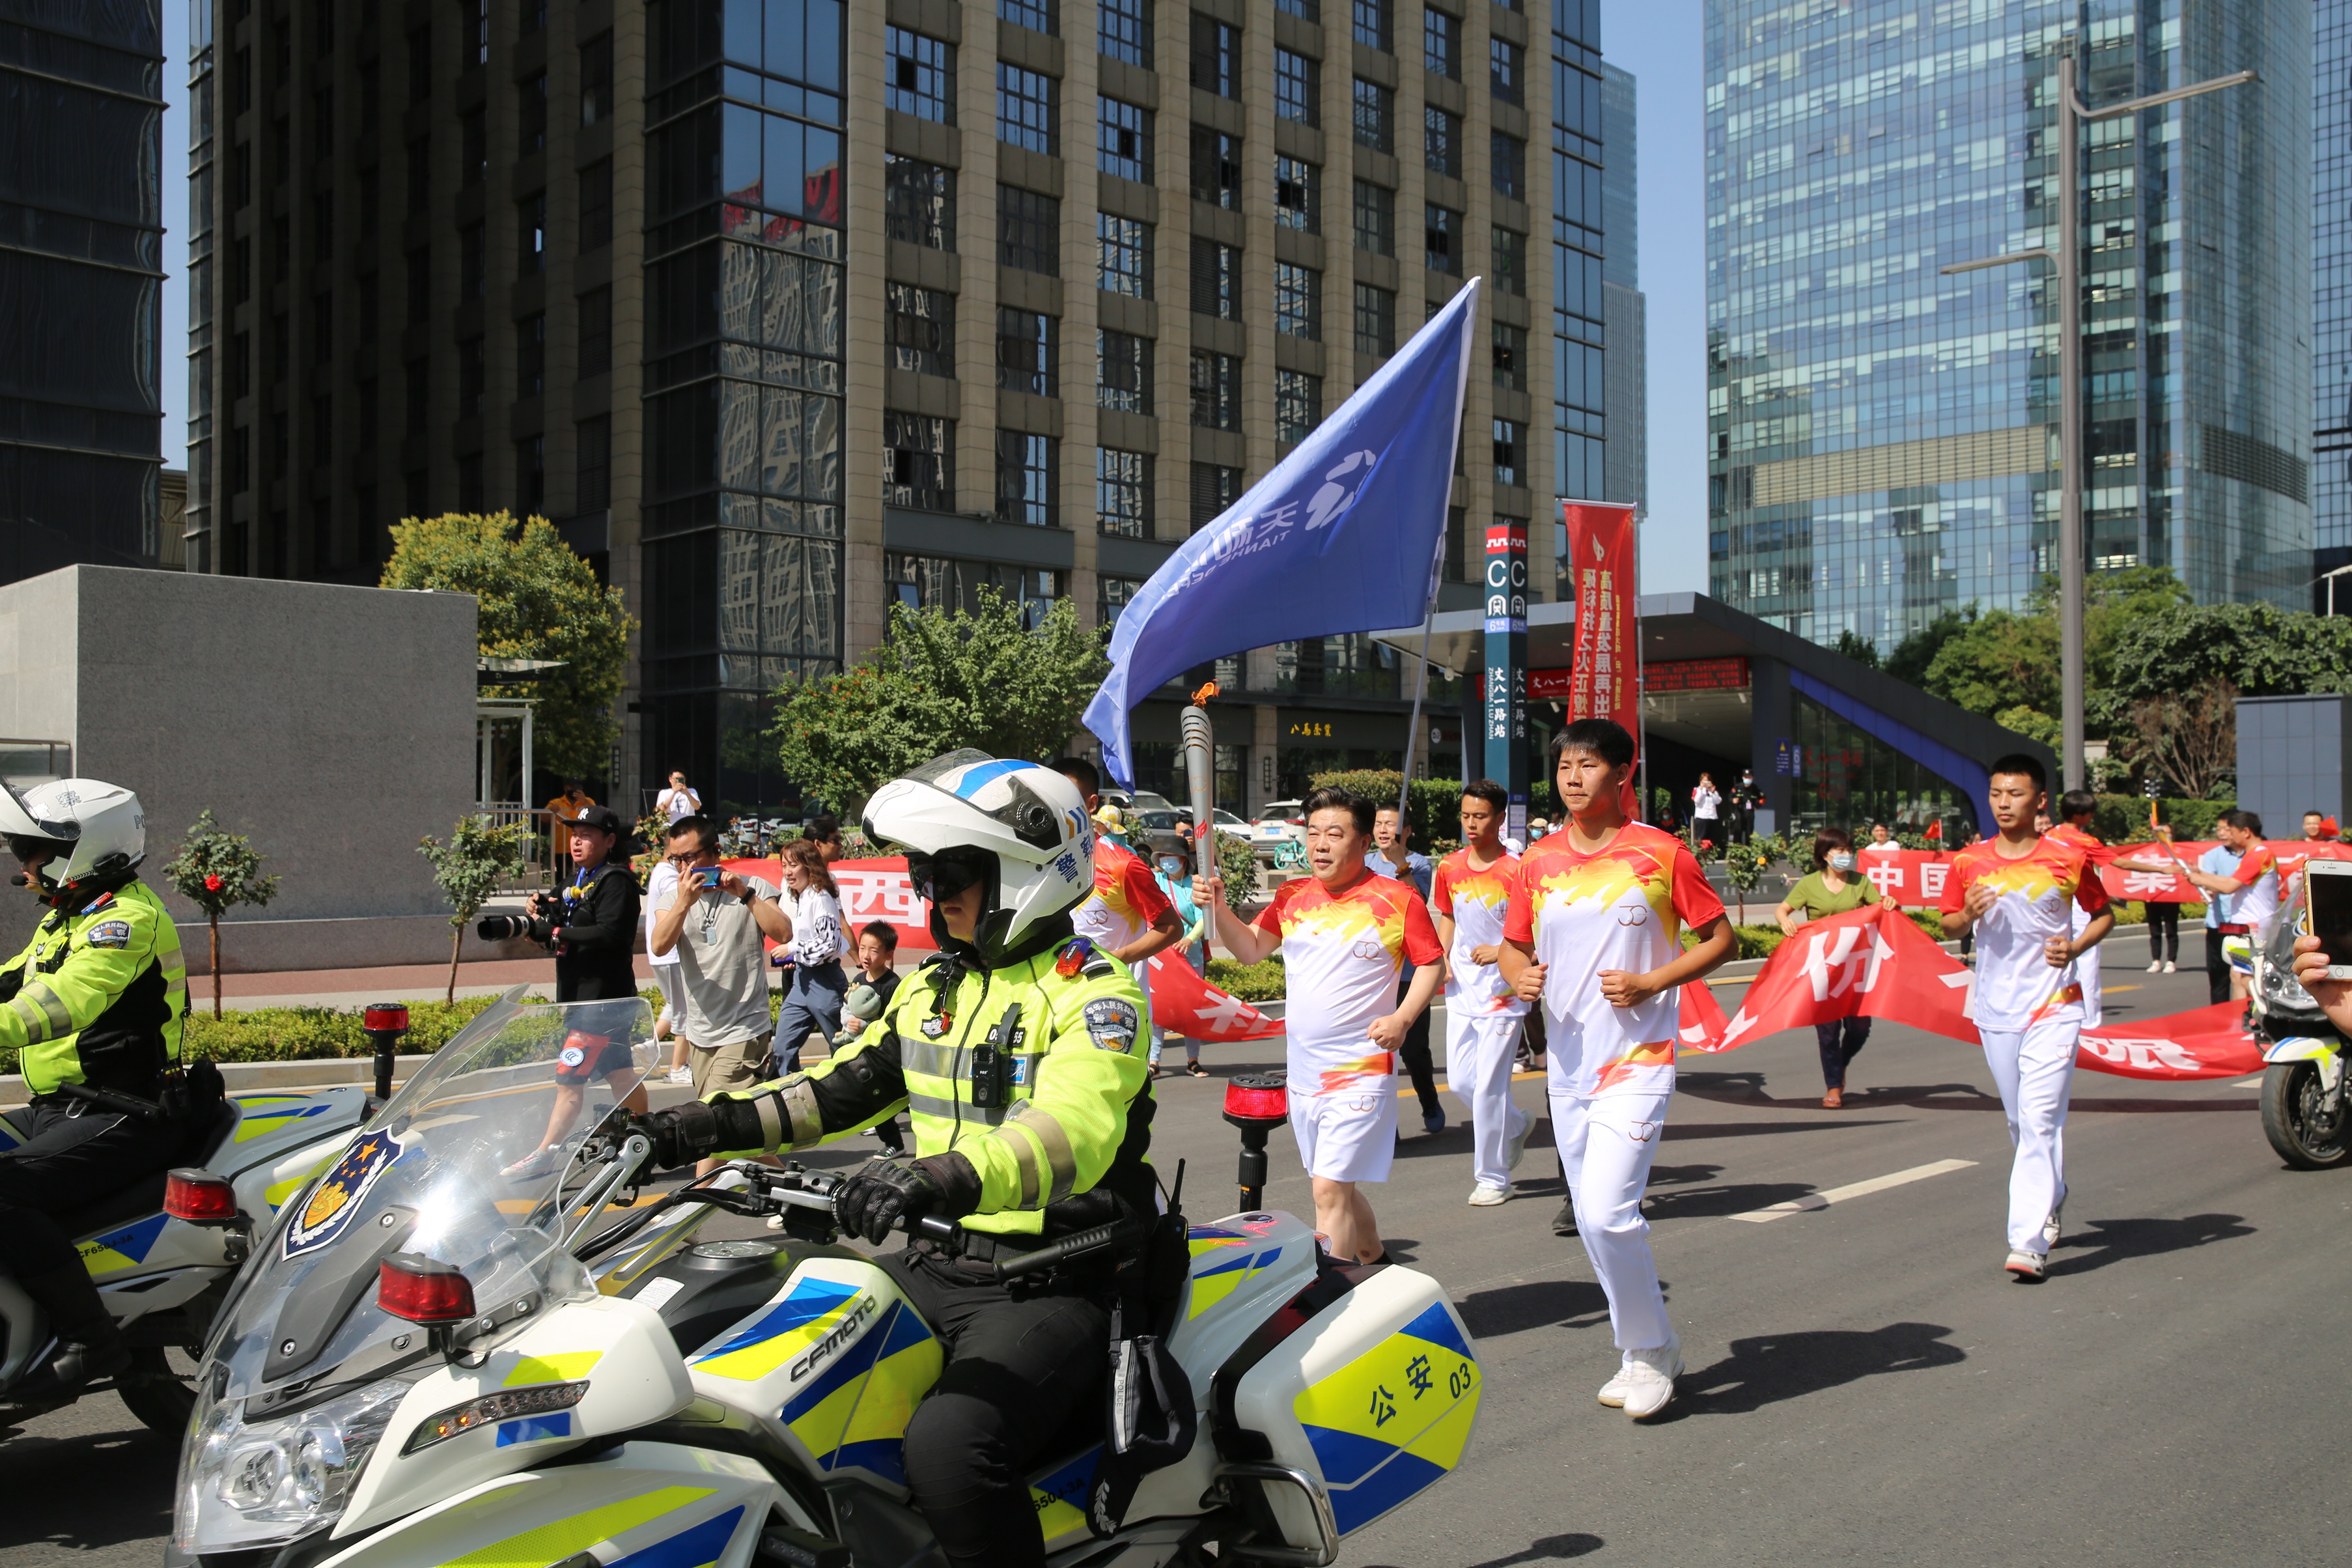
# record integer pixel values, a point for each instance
(428, 1362)
(2303, 1083)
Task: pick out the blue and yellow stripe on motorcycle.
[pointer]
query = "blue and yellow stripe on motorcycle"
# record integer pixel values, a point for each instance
(813, 1310)
(560, 1538)
(1222, 1261)
(855, 1413)
(699, 1546)
(261, 1114)
(9, 1137)
(1392, 1420)
(119, 1249)
(1060, 1496)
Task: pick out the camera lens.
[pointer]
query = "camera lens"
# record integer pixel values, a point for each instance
(503, 928)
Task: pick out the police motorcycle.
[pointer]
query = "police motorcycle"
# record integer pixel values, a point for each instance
(2303, 1083)
(428, 1361)
(162, 1252)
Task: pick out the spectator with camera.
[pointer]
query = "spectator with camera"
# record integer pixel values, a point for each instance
(715, 924)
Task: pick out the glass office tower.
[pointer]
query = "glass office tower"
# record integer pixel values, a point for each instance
(2331, 295)
(1883, 438)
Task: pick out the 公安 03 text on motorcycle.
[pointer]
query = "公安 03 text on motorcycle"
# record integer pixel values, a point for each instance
(448, 1364)
(162, 1251)
(2303, 1089)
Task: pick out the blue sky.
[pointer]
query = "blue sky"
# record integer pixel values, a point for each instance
(1660, 44)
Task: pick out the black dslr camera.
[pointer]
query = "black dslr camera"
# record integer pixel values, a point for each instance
(536, 926)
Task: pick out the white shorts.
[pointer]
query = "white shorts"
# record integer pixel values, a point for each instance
(1349, 1135)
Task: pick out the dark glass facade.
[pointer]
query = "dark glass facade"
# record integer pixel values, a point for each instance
(1844, 776)
(1580, 390)
(2331, 292)
(80, 251)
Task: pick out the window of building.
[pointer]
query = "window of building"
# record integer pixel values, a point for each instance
(531, 235)
(1297, 94)
(1375, 116)
(1123, 372)
(530, 119)
(420, 287)
(1215, 489)
(591, 445)
(1375, 218)
(1297, 187)
(530, 355)
(918, 461)
(1441, 140)
(1297, 405)
(1297, 300)
(473, 258)
(420, 70)
(918, 202)
(1025, 108)
(1037, 15)
(322, 428)
(1508, 165)
(596, 206)
(596, 80)
(1510, 439)
(1028, 231)
(1216, 391)
(1123, 257)
(469, 379)
(1306, 10)
(1216, 57)
(1371, 25)
(1375, 319)
(322, 119)
(1441, 43)
(917, 581)
(1457, 545)
(417, 387)
(1123, 492)
(596, 333)
(420, 174)
(1216, 279)
(1511, 262)
(1123, 31)
(1112, 596)
(1443, 235)
(1216, 167)
(480, 52)
(920, 326)
(371, 287)
(322, 227)
(473, 148)
(1024, 478)
(1505, 69)
(1510, 354)
(1024, 353)
(1124, 141)
(919, 75)
(530, 476)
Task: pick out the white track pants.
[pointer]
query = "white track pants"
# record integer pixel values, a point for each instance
(2033, 1068)
(2086, 968)
(1606, 1145)
(1479, 1052)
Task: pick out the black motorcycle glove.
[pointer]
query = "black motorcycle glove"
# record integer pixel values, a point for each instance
(681, 1134)
(885, 1192)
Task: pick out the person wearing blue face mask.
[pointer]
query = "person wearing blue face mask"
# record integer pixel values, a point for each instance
(1834, 888)
(1174, 875)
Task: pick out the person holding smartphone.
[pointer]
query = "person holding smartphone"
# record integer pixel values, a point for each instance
(715, 923)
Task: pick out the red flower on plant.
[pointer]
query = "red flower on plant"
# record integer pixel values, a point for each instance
(1707, 843)
(212, 883)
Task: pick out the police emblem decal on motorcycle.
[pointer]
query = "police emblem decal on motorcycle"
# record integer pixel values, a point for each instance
(336, 1199)
(111, 933)
(1112, 1024)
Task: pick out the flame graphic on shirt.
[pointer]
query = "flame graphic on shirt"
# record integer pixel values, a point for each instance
(2032, 878)
(1655, 1054)
(1359, 1070)
(1345, 918)
(1489, 888)
(1605, 879)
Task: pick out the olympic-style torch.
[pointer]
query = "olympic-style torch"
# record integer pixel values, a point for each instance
(1201, 772)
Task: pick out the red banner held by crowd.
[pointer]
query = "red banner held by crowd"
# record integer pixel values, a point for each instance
(2204, 1042)
(1182, 1002)
(1911, 877)
(2164, 886)
(1602, 669)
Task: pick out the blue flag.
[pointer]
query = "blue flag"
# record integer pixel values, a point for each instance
(1340, 537)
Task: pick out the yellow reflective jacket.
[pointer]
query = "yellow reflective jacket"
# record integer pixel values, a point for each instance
(97, 996)
(1076, 1107)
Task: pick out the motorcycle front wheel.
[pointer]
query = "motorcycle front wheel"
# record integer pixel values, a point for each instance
(2296, 1121)
(159, 1397)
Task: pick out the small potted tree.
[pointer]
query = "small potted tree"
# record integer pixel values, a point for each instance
(469, 868)
(217, 870)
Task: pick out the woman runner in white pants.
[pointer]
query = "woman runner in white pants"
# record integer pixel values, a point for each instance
(1470, 894)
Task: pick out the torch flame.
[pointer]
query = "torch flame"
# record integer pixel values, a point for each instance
(1201, 698)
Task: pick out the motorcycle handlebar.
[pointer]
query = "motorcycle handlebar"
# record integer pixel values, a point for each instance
(799, 1195)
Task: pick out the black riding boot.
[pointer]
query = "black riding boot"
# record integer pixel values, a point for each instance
(88, 1344)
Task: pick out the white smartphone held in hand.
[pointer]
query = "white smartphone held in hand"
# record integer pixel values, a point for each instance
(2328, 911)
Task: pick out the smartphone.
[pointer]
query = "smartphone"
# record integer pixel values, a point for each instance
(2329, 898)
(708, 876)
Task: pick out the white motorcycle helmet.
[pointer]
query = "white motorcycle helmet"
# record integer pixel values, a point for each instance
(91, 830)
(1019, 829)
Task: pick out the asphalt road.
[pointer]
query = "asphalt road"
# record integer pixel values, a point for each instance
(1865, 1384)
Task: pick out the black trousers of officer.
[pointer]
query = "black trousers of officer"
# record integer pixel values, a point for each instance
(76, 1155)
(1021, 1359)
(1414, 1053)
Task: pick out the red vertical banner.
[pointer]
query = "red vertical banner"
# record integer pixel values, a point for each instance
(1603, 678)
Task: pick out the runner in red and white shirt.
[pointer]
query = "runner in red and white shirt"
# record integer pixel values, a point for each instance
(1594, 933)
(1128, 915)
(2076, 808)
(1346, 932)
(1471, 894)
(2017, 889)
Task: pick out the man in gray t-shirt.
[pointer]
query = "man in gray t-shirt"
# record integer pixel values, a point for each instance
(714, 925)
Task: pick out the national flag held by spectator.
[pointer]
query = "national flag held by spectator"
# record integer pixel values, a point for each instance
(1341, 536)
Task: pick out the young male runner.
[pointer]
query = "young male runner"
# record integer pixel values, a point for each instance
(1484, 1016)
(2076, 808)
(2014, 891)
(1592, 931)
(1126, 915)
(1344, 933)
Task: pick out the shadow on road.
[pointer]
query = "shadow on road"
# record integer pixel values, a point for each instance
(1550, 1548)
(1712, 1203)
(1531, 1304)
(1771, 1368)
(87, 1491)
(2114, 1241)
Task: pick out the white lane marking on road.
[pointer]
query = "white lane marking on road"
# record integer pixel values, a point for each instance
(1853, 1190)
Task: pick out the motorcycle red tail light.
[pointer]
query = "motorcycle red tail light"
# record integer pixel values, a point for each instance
(424, 1291)
(1257, 1096)
(385, 1016)
(198, 1196)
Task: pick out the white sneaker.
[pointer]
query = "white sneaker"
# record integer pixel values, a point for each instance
(2027, 1267)
(2170, 967)
(1483, 1196)
(1517, 1149)
(1647, 1380)
(2154, 965)
(681, 1075)
(2052, 1229)
(538, 1162)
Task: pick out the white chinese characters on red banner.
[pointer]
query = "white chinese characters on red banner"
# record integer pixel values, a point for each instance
(1911, 877)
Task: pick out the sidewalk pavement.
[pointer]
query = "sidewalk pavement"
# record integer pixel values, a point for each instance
(392, 983)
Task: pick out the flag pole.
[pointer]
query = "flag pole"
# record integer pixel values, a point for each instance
(1640, 681)
(1421, 678)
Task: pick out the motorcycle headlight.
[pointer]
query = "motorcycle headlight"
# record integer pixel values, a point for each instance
(255, 1485)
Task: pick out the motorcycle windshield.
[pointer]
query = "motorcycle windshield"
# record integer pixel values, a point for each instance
(478, 1162)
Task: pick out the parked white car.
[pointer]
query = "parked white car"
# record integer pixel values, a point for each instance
(1278, 823)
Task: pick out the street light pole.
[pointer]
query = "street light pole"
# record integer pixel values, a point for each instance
(2066, 258)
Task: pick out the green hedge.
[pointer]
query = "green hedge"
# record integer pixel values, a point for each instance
(1433, 809)
(1249, 982)
(2122, 818)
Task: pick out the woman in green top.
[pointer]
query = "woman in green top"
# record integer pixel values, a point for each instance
(1835, 888)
